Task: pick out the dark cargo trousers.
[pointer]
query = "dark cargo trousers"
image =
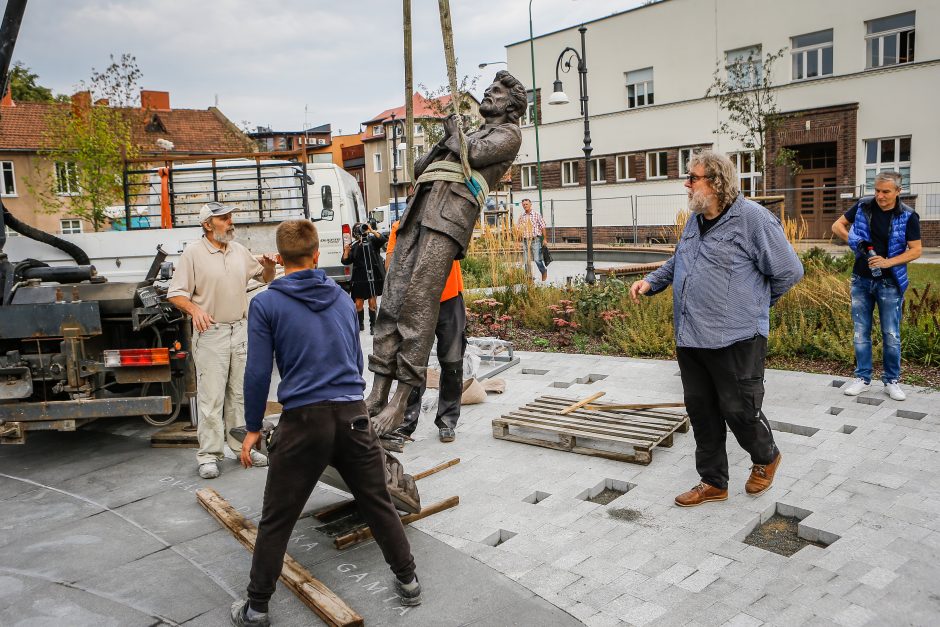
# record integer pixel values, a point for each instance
(726, 386)
(451, 334)
(307, 440)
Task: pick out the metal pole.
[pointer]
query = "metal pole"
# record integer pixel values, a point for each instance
(535, 112)
(582, 72)
(394, 168)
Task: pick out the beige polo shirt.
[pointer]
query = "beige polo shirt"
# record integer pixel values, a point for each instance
(216, 280)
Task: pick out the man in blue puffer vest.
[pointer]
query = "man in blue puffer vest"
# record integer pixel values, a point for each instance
(885, 235)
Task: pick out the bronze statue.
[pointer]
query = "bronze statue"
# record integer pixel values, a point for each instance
(436, 229)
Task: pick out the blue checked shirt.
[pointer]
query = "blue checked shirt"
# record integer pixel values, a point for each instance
(725, 282)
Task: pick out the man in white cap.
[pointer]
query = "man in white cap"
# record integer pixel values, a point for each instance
(210, 285)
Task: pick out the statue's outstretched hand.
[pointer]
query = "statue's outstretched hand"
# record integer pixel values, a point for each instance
(450, 125)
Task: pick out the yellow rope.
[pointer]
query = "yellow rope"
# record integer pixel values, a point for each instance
(447, 32)
(453, 173)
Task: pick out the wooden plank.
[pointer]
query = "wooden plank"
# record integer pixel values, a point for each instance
(640, 457)
(575, 432)
(553, 402)
(364, 533)
(584, 428)
(578, 418)
(323, 601)
(611, 417)
(436, 469)
(581, 403)
(609, 406)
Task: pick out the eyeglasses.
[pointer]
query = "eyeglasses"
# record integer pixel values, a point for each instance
(694, 178)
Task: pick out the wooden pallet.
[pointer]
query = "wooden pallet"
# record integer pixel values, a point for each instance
(179, 434)
(620, 434)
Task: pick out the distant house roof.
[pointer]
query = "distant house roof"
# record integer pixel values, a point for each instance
(262, 132)
(23, 127)
(422, 109)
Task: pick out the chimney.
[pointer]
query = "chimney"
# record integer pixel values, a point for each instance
(81, 101)
(7, 100)
(154, 100)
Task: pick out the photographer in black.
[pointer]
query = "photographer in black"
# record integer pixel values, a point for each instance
(364, 253)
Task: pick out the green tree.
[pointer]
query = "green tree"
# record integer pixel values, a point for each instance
(88, 144)
(469, 119)
(745, 91)
(24, 86)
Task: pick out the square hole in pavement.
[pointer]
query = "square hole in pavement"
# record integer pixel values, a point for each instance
(591, 378)
(606, 491)
(835, 411)
(868, 400)
(534, 371)
(787, 427)
(561, 384)
(837, 383)
(780, 529)
(499, 537)
(847, 428)
(536, 497)
(912, 415)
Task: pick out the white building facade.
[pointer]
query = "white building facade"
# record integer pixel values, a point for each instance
(859, 84)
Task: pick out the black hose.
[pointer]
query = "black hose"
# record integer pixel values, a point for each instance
(75, 252)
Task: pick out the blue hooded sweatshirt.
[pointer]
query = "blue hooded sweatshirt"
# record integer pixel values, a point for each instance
(309, 325)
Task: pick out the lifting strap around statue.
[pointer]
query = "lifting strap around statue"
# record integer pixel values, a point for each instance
(453, 173)
(473, 180)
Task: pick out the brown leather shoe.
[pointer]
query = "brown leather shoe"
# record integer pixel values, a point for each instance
(762, 477)
(702, 493)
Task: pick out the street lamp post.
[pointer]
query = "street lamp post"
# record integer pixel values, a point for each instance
(559, 98)
(395, 124)
(535, 113)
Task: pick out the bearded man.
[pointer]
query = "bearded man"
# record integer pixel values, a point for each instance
(210, 285)
(731, 264)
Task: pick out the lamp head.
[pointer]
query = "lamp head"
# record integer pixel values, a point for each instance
(559, 97)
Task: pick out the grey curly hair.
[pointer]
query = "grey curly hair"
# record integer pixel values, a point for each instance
(720, 170)
(517, 93)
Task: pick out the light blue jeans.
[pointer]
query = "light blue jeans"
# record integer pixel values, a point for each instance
(865, 294)
(532, 251)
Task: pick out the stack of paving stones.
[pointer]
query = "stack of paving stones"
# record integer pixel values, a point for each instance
(863, 473)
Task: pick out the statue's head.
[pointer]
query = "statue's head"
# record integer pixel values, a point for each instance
(506, 96)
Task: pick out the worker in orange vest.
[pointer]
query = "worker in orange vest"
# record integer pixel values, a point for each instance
(451, 345)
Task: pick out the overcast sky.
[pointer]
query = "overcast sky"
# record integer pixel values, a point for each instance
(266, 60)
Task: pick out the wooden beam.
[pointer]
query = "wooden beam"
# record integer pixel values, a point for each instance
(363, 534)
(436, 469)
(329, 607)
(607, 406)
(581, 403)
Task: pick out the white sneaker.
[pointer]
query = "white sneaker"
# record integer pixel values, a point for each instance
(258, 459)
(895, 392)
(856, 387)
(209, 470)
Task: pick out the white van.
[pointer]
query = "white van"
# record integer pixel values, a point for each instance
(332, 188)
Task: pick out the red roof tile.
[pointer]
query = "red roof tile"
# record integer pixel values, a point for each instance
(23, 127)
(421, 109)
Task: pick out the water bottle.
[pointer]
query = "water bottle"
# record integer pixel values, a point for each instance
(875, 272)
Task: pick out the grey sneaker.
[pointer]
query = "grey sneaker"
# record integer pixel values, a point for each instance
(240, 616)
(209, 470)
(410, 593)
(258, 459)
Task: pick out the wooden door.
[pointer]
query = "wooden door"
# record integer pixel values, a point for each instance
(817, 201)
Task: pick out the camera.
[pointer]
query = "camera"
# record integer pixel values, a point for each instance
(359, 230)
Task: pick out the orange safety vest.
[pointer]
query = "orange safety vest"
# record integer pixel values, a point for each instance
(454, 284)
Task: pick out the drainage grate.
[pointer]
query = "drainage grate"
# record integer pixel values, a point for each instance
(499, 537)
(847, 429)
(536, 371)
(837, 383)
(606, 491)
(835, 411)
(536, 497)
(780, 530)
(787, 427)
(868, 400)
(912, 415)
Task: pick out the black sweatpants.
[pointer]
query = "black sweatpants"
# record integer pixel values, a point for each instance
(726, 386)
(306, 441)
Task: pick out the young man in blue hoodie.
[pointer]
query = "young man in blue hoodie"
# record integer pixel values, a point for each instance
(307, 323)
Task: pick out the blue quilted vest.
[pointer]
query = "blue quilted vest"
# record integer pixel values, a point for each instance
(897, 235)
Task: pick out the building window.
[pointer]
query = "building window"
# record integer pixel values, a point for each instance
(684, 155)
(8, 182)
(569, 172)
(656, 165)
(889, 40)
(321, 142)
(528, 177)
(598, 170)
(418, 151)
(749, 178)
(622, 167)
(70, 227)
(377, 130)
(529, 117)
(377, 162)
(418, 130)
(812, 55)
(888, 154)
(640, 88)
(745, 66)
(66, 178)
(400, 161)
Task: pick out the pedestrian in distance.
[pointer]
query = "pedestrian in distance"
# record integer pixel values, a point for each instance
(884, 234)
(307, 324)
(210, 285)
(731, 264)
(531, 228)
(364, 254)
